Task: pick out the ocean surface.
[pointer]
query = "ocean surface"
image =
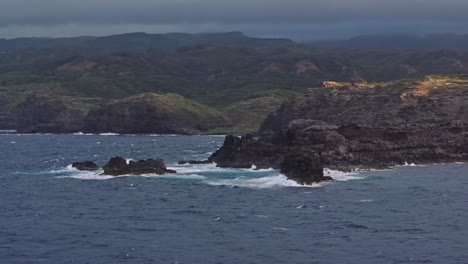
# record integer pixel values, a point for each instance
(51, 213)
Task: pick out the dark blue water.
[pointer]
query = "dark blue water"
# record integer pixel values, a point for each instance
(52, 214)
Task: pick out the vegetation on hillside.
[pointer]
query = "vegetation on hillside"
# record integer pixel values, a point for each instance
(243, 78)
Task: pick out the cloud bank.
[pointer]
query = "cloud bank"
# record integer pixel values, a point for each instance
(293, 18)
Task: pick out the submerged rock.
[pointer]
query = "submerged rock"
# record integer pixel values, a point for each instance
(85, 166)
(118, 166)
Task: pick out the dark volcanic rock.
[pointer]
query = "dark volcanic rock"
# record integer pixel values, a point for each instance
(118, 166)
(244, 152)
(360, 126)
(296, 163)
(378, 126)
(304, 168)
(85, 166)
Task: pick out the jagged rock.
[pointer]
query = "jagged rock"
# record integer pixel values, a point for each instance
(297, 164)
(304, 168)
(377, 126)
(118, 166)
(348, 128)
(244, 152)
(85, 166)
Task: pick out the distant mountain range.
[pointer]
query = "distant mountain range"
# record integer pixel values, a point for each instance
(240, 77)
(143, 42)
(139, 42)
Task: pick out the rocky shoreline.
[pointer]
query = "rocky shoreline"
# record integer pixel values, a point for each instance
(358, 126)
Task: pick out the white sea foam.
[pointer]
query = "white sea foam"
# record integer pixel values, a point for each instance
(262, 216)
(189, 169)
(109, 134)
(73, 173)
(406, 164)
(177, 176)
(82, 134)
(212, 175)
(280, 228)
(87, 175)
(211, 168)
(342, 176)
(259, 183)
(70, 168)
(366, 201)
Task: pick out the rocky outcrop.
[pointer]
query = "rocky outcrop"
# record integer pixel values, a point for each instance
(360, 126)
(303, 167)
(118, 166)
(85, 166)
(378, 125)
(247, 152)
(154, 113)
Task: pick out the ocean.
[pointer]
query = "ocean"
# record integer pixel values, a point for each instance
(51, 213)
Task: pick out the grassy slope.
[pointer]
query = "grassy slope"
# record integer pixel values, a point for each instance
(241, 83)
(181, 107)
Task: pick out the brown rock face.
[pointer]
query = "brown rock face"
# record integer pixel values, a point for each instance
(421, 122)
(365, 126)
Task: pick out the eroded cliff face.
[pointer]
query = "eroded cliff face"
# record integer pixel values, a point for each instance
(142, 114)
(378, 125)
(154, 113)
(366, 126)
(7, 119)
(40, 113)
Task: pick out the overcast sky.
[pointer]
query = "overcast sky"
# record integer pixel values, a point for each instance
(299, 19)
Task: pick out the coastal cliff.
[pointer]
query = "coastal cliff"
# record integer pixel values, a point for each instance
(154, 113)
(145, 113)
(372, 125)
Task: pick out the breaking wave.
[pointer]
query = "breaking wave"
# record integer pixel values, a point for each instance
(212, 175)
